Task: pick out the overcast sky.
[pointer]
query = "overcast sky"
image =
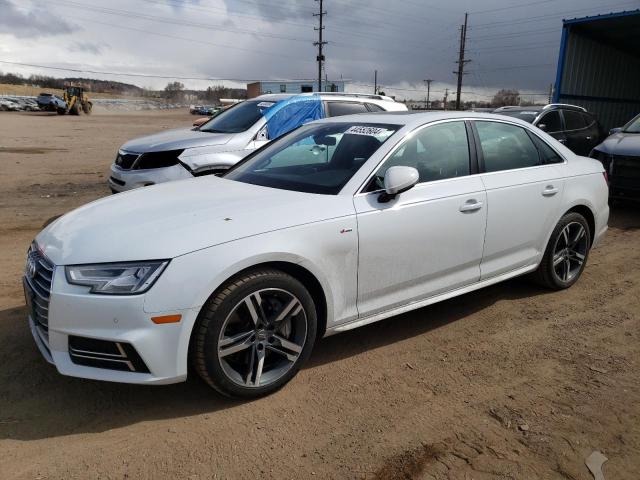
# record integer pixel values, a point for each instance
(511, 43)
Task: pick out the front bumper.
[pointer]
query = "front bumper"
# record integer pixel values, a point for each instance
(122, 180)
(116, 320)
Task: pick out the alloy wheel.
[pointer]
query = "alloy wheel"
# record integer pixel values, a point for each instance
(262, 337)
(570, 251)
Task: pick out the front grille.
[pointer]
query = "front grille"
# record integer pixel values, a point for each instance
(126, 160)
(38, 277)
(625, 167)
(164, 159)
(91, 352)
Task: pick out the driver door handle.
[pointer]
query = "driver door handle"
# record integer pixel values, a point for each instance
(471, 206)
(549, 191)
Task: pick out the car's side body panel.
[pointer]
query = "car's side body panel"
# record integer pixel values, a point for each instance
(523, 206)
(419, 244)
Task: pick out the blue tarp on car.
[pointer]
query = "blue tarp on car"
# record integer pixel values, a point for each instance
(288, 114)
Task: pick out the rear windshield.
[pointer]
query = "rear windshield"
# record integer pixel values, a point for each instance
(238, 118)
(526, 115)
(318, 158)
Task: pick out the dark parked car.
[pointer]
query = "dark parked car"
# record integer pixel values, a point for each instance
(620, 155)
(569, 124)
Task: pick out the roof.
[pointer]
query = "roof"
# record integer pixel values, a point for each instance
(332, 95)
(618, 29)
(415, 118)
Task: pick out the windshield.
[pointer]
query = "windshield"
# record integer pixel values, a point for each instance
(526, 115)
(238, 118)
(633, 126)
(318, 158)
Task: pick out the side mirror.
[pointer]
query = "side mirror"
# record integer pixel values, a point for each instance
(542, 127)
(615, 130)
(398, 180)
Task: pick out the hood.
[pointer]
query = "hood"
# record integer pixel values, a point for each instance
(175, 218)
(176, 140)
(621, 143)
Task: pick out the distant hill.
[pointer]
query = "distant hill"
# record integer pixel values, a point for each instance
(113, 88)
(93, 85)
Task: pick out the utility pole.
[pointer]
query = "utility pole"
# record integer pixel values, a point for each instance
(375, 82)
(461, 60)
(320, 43)
(446, 94)
(428, 82)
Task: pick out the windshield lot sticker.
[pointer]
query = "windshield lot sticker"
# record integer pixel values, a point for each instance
(368, 131)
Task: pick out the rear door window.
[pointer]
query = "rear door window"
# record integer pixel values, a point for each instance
(337, 109)
(552, 122)
(375, 108)
(588, 119)
(573, 120)
(547, 154)
(506, 147)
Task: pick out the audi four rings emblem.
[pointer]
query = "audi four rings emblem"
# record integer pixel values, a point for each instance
(31, 267)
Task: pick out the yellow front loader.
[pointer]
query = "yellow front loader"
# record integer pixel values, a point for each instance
(76, 100)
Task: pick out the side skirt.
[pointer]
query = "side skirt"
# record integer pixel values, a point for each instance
(428, 301)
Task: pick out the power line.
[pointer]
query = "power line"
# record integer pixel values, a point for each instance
(499, 49)
(528, 4)
(514, 67)
(141, 75)
(130, 14)
(516, 34)
(529, 19)
(190, 6)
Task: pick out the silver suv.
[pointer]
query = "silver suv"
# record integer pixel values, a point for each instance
(224, 140)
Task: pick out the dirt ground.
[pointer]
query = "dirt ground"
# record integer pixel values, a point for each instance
(508, 382)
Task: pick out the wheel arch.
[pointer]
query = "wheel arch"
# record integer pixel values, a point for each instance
(297, 271)
(589, 216)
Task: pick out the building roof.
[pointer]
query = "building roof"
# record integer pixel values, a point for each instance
(620, 29)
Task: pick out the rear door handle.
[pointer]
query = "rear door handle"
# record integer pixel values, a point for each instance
(471, 206)
(549, 191)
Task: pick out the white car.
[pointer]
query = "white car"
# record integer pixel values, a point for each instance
(336, 225)
(227, 138)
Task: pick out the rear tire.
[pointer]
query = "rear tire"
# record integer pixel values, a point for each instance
(254, 334)
(86, 107)
(566, 254)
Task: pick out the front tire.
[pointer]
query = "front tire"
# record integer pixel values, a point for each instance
(254, 334)
(566, 254)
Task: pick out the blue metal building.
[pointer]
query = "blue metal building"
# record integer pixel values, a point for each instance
(599, 66)
(292, 86)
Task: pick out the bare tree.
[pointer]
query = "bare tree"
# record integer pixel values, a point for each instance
(174, 90)
(506, 97)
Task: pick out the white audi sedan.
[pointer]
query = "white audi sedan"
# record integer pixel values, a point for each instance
(336, 225)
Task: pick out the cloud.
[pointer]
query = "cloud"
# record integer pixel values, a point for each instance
(88, 47)
(22, 24)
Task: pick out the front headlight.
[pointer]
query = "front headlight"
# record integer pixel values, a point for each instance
(127, 278)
